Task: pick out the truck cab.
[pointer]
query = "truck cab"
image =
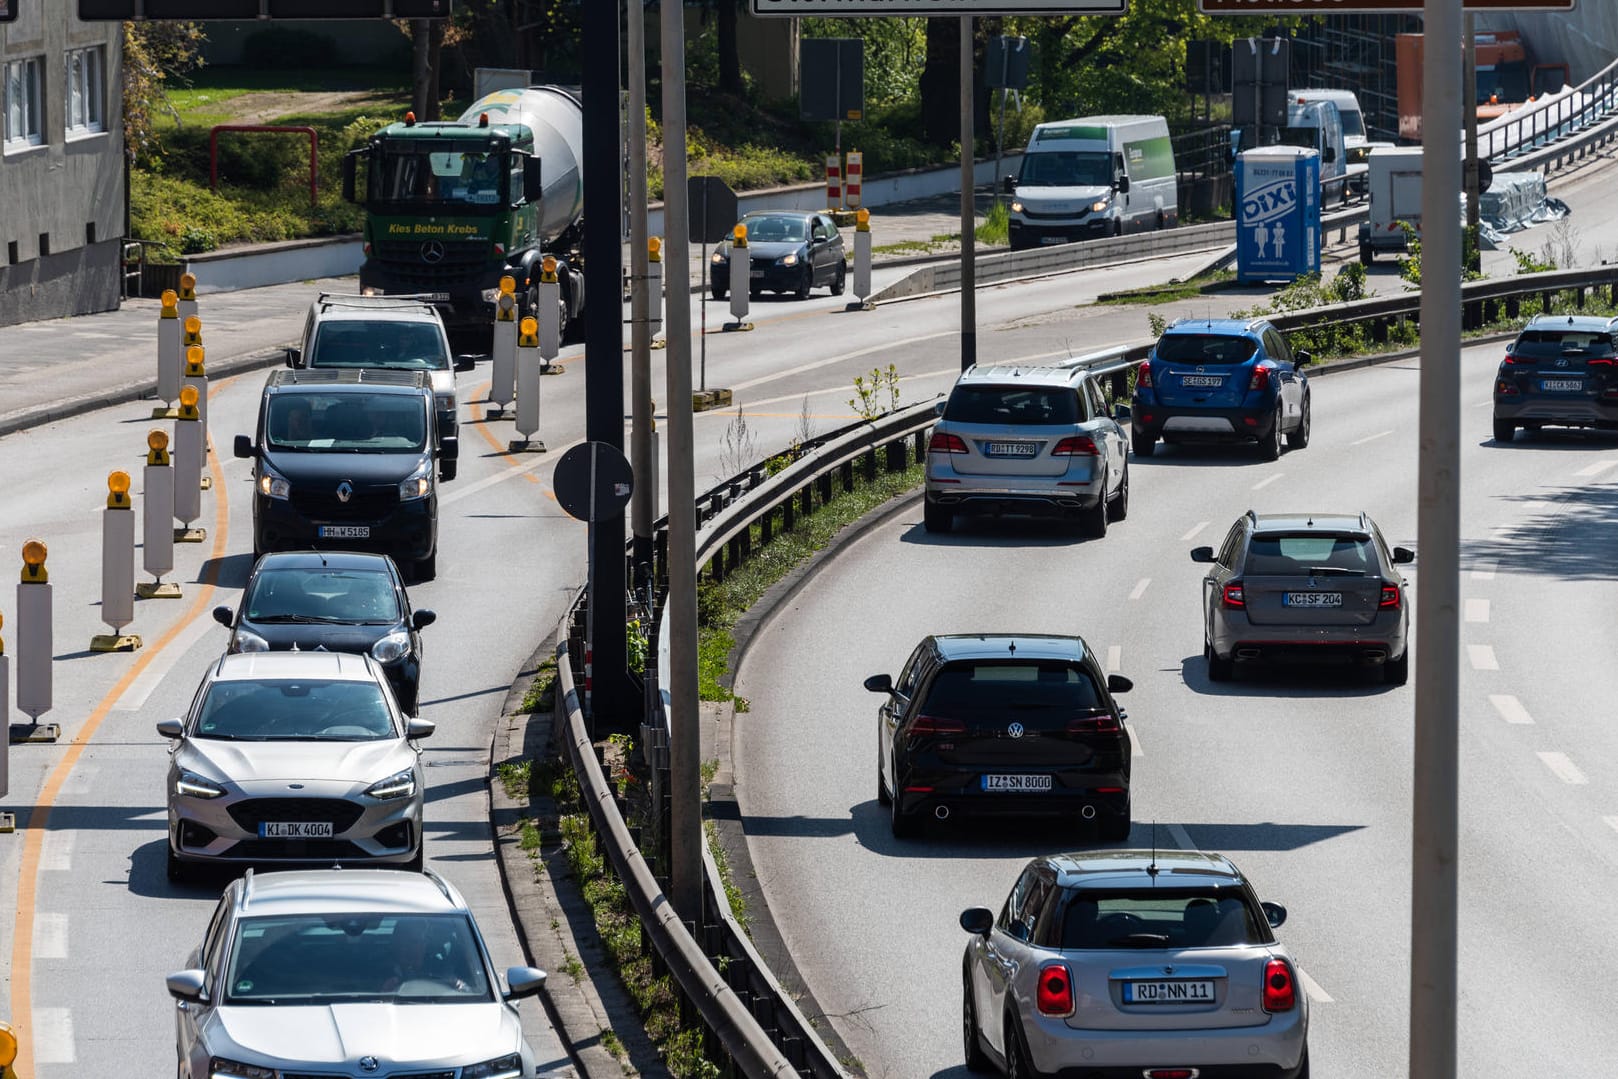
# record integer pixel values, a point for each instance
(1093, 176)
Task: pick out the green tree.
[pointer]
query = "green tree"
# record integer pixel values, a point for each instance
(154, 52)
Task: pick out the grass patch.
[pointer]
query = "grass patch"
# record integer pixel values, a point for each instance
(541, 694)
(733, 894)
(514, 777)
(1182, 290)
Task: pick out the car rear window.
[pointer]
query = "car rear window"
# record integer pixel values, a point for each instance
(989, 690)
(1549, 344)
(1022, 406)
(1205, 348)
(295, 710)
(1160, 918)
(1272, 555)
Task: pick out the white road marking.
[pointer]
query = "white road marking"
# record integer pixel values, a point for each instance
(835, 389)
(839, 358)
(1563, 768)
(1484, 571)
(1369, 438)
(1140, 588)
(1134, 742)
(1178, 831)
(50, 936)
(53, 1036)
(1539, 505)
(1596, 468)
(1482, 657)
(133, 699)
(1198, 527)
(1312, 987)
(1477, 610)
(550, 457)
(56, 851)
(1612, 822)
(1267, 480)
(1510, 708)
(1115, 657)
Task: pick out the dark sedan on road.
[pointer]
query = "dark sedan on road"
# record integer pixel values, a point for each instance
(1561, 371)
(789, 251)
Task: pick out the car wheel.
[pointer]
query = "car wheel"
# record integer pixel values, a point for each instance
(1504, 430)
(1093, 520)
(1219, 670)
(1299, 437)
(805, 283)
(1303, 1065)
(1270, 447)
(1396, 672)
(1017, 1065)
(883, 797)
(837, 282)
(976, 1059)
(1114, 827)
(427, 568)
(935, 518)
(904, 825)
(1118, 508)
(178, 872)
(1143, 443)
(720, 293)
(1367, 256)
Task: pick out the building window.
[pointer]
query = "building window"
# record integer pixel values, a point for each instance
(86, 91)
(23, 103)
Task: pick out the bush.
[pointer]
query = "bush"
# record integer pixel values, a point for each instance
(284, 47)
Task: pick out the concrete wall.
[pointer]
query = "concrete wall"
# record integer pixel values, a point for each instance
(1586, 39)
(63, 207)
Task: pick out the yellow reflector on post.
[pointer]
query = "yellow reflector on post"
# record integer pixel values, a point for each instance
(863, 217)
(654, 248)
(33, 553)
(549, 265)
(740, 233)
(157, 439)
(118, 482)
(529, 328)
(189, 396)
(508, 285)
(8, 1046)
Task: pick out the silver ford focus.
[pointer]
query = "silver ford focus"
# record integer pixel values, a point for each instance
(294, 757)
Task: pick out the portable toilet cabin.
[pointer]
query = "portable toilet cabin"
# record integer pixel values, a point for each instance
(1277, 213)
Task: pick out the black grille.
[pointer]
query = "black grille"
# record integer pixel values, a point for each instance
(321, 502)
(307, 850)
(461, 261)
(251, 813)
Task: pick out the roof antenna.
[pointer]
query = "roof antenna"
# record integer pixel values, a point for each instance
(1151, 870)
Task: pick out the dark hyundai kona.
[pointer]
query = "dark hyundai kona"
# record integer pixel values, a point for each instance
(1013, 724)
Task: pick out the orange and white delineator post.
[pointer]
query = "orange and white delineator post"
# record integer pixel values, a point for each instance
(834, 181)
(503, 359)
(117, 567)
(851, 183)
(862, 254)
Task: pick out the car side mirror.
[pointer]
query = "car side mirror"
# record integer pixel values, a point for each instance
(1202, 554)
(1330, 155)
(977, 920)
(416, 727)
(1121, 412)
(938, 407)
(1123, 185)
(350, 172)
(244, 447)
(465, 361)
(1302, 356)
(1403, 554)
(1274, 913)
(1117, 683)
(224, 616)
(1008, 185)
(448, 470)
(523, 982)
(186, 985)
(533, 186)
(449, 448)
(423, 618)
(879, 683)
(294, 357)
(171, 728)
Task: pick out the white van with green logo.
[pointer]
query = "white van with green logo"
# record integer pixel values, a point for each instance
(1093, 176)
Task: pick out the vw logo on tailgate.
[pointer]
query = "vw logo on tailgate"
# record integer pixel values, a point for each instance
(1015, 730)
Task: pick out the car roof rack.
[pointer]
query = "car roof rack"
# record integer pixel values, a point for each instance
(362, 299)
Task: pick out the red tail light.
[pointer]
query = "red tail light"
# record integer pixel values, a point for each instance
(1512, 357)
(1107, 724)
(1601, 361)
(1390, 598)
(946, 443)
(1261, 379)
(930, 725)
(1076, 446)
(1505, 387)
(1143, 374)
(1280, 991)
(1233, 596)
(1171, 1073)
(1054, 996)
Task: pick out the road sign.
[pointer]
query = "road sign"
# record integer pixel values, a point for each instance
(593, 481)
(1364, 7)
(831, 78)
(940, 7)
(107, 10)
(711, 207)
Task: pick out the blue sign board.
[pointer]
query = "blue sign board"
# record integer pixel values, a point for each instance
(1277, 213)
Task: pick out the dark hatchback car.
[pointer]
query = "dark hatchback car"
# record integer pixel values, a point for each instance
(787, 251)
(1562, 371)
(1221, 380)
(340, 601)
(1011, 724)
(349, 460)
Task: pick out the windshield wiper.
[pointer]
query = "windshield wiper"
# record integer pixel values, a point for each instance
(270, 619)
(1334, 571)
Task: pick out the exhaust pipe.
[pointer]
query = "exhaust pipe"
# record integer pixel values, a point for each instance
(1376, 656)
(942, 812)
(1247, 653)
(1088, 812)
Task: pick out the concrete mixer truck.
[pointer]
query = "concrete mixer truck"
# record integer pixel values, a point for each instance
(452, 206)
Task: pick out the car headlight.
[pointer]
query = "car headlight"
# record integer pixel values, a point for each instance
(191, 785)
(394, 646)
(220, 1068)
(1016, 207)
(787, 260)
(1099, 205)
(444, 402)
(272, 483)
(719, 258)
(398, 785)
(506, 1067)
(250, 642)
(419, 484)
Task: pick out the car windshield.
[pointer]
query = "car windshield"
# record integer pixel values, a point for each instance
(314, 595)
(402, 346)
(1211, 917)
(1066, 168)
(1032, 406)
(1204, 348)
(294, 710)
(987, 690)
(364, 423)
(1310, 554)
(1549, 344)
(312, 959)
(776, 228)
(416, 174)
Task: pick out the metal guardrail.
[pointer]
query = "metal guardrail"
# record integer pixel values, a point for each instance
(751, 1021)
(1524, 132)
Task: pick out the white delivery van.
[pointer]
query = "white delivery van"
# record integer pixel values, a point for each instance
(1093, 176)
(1356, 138)
(1395, 189)
(1318, 126)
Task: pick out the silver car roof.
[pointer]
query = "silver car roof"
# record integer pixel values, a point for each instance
(347, 891)
(1007, 374)
(959, 646)
(1310, 522)
(1132, 868)
(332, 666)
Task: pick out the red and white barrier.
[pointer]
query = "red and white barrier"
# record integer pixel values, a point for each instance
(851, 183)
(834, 181)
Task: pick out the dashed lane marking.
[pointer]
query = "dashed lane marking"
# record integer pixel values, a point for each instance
(1510, 709)
(1477, 610)
(1267, 480)
(1181, 837)
(1140, 588)
(1115, 657)
(1370, 438)
(1134, 741)
(843, 357)
(1312, 987)
(1612, 822)
(56, 851)
(1563, 768)
(1191, 535)
(1484, 571)
(53, 1037)
(1595, 468)
(1482, 657)
(50, 936)
(135, 699)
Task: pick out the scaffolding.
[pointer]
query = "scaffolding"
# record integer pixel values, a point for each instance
(1355, 52)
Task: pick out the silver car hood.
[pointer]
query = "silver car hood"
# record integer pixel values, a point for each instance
(397, 1035)
(314, 762)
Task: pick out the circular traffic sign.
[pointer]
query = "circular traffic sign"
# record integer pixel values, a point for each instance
(593, 481)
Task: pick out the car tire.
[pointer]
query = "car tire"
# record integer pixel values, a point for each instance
(842, 275)
(1367, 255)
(1142, 443)
(1269, 447)
(1298, 438)
(805, 283)
(1017, 1063)
(935, 518)
(1396, 672)
(1504, 430)
(720, 293)
(1303, 1065)
(1114, 827)
(1093, 520)
(178, 872)
(883, 796)
(972, 1045)
(903, 825)
(1118, 508)
(1219, 670)
(427, 568)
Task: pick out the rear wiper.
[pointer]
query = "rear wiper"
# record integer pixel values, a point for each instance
(1334, 571)
(1139, 940)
